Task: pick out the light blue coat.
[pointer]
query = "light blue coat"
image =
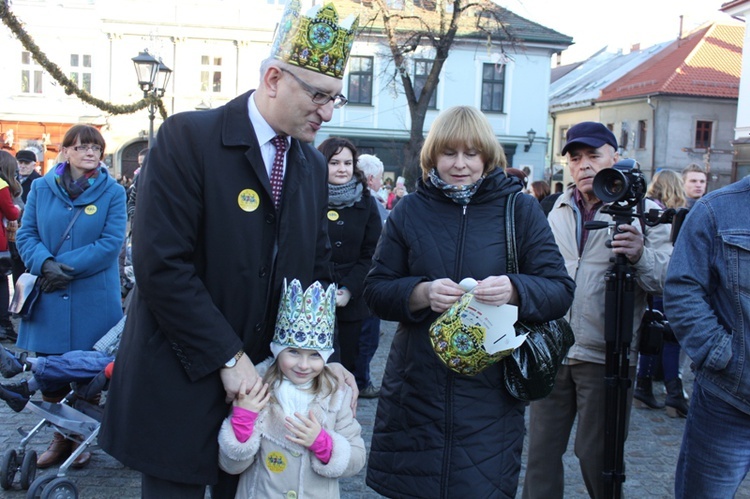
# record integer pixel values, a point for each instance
(73, 318)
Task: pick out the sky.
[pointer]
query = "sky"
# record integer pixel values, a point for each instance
(594, 24)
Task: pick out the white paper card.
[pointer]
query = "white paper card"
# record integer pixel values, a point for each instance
(498, 325)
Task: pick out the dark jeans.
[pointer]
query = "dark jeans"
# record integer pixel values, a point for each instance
(368, 345)
(715, 453)
(669, 358)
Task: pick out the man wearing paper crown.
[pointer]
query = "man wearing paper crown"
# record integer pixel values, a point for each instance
(237, 201)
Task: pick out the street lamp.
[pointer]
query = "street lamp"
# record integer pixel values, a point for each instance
(153, 76)
(531, 135)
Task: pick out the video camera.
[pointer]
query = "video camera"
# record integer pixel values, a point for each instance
(623, 184)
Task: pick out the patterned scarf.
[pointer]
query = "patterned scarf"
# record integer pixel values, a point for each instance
(344, 195)
(74, 188)
(460, 194)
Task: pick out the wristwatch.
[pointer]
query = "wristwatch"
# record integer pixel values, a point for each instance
(233, 361)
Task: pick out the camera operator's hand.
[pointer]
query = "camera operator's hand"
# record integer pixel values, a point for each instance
(629, 242)
(56, 275)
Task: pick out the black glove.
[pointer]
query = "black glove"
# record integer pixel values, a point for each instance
(55, 275)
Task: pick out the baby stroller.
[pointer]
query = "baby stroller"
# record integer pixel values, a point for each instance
(77, 419)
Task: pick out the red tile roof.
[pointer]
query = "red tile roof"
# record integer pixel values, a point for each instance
(706, 63)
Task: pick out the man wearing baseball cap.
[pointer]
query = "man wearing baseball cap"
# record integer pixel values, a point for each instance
(579, 387)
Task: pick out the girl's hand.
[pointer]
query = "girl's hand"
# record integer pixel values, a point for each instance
(496, 290)
(254, 399)
(304, 430)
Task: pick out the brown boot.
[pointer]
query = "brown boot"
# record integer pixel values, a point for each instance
(58, 451)
(81, 460)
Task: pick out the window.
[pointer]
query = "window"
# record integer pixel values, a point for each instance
(80, 71)
(493, 87)
(422, 68)
(210, 74)
(703, 134)
(31, 74)
(624, 136)
(641, 134)
(360, 80)
(563, 136)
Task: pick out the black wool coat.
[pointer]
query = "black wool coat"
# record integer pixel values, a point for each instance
(210, 255)
(354, 232)
(439, 434)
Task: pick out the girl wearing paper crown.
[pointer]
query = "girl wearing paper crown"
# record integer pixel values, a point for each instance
(293, 434)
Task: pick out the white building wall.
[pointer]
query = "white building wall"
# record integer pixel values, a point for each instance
(240, 32)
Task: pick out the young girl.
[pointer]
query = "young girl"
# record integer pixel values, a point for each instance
(293, 434)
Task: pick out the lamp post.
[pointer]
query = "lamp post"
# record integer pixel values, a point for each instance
(153, 76)
(531, 135)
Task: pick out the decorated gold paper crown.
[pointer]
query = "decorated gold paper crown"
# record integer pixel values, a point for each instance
(306, 318)
(315, 41)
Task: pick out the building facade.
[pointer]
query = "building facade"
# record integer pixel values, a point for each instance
(215, 49)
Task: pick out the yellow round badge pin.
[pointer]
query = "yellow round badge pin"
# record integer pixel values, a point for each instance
(248, 200)
(333, 215)
(276, 462)
(90, 209)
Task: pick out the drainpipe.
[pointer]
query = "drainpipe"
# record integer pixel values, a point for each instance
(552, 148)
(653, 136)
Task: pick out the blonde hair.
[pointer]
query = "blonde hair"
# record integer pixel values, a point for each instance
(462, 126)
(666, 186)
(325, 383)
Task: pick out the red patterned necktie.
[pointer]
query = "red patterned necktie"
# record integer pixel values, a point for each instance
(277, 171)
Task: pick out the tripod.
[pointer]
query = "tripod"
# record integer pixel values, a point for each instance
(618, 334)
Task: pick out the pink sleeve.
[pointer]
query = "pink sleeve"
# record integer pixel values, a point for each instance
(323, 446)
(243, 422)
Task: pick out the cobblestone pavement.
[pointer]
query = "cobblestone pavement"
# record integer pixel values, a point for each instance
(650, 453)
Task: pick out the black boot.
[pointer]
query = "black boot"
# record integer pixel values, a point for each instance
(677, 405)
(644, 395)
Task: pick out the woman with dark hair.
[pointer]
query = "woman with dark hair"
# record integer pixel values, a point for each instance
(354, 228)
(540, 189)
(72, 231)
(9, 190)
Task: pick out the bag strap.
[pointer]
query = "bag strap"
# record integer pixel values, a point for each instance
(511, 257)
(67, 231)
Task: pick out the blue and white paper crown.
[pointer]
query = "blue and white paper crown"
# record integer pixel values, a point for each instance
(306, 318)
(315, 41)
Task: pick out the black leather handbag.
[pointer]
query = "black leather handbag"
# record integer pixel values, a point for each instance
(531, 369)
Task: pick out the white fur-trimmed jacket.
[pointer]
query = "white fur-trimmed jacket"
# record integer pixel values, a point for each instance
(272, 466)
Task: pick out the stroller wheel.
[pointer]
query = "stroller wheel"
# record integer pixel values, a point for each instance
(8, 468)
(28, 469)
(37, 486)
(60, 488)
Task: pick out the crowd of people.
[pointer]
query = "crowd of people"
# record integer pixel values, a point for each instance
(261, 338)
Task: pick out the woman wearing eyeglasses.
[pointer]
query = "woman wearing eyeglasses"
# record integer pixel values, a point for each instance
(72, 231)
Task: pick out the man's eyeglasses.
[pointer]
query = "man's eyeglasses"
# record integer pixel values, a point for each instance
(318, 97)
(95, 148)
